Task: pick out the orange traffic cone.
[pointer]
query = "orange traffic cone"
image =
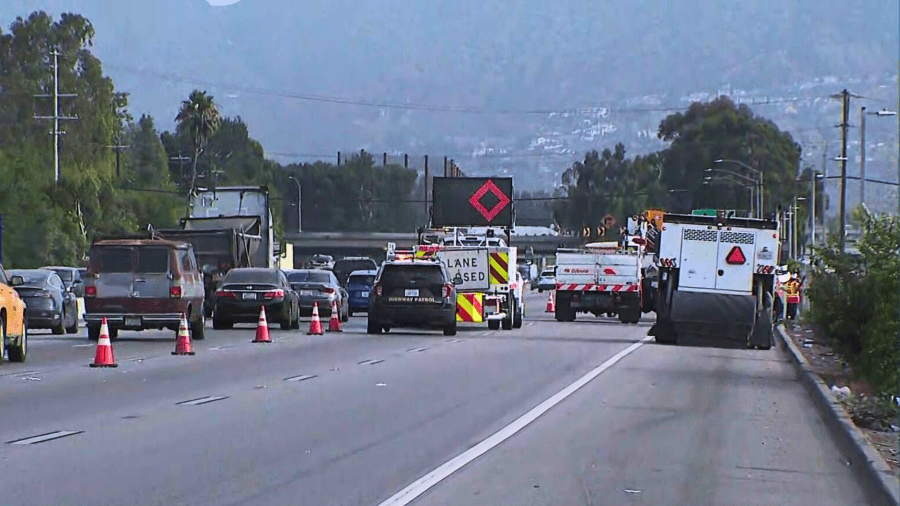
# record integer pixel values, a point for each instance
(551, 305)
(183, 341)
(104, 357)
(315, 326)
(262, 328)
(334, 324)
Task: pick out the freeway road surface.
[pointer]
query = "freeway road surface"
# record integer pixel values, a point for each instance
(504, 417)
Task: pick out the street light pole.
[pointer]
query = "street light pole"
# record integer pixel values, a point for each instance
(862, 147)
(299, 194)
(760, 182)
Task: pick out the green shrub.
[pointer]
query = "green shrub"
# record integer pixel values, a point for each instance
(856, 300)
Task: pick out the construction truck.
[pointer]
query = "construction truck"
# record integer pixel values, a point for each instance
(716, 278)
(483, 270)
(209, 204)
(603, 277)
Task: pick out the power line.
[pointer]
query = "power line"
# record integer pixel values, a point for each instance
(427, 107)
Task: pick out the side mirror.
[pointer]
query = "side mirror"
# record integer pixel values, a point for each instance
(17, 281)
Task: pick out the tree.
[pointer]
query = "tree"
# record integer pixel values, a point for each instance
(721, 130)
(200, 117)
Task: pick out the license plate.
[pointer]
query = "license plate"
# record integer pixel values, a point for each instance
(411, 292)
(306, 293)
(765, 255)
(133, 322)
(249, 296)
(362, 294)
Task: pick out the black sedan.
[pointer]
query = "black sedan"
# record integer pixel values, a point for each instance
(50, 305)
(245, 290)
(320, 287)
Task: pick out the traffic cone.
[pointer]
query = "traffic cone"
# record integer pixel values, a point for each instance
(315, 326)
(334, 324)
(551, 305)
(183, 341)
(262, 328)
(104, 357)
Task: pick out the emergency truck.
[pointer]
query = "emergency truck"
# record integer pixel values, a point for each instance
(483, 270)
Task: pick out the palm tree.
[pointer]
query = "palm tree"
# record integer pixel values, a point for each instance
(200, 116)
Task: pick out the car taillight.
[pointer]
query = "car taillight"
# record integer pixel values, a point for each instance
(225, 294)
(90, 291)
(328, 290)
(274, 294)
(378, 290)
(175, 291)
(448, 291)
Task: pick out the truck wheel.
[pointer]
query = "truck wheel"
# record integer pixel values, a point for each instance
(372, 327)
(493, 324)
(507, 322)
(517, 320)
(198, 330)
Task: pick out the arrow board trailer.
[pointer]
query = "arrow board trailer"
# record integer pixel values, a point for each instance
(716, 278)
(483, 277)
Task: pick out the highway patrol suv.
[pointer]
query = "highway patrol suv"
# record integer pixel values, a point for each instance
(412, 293)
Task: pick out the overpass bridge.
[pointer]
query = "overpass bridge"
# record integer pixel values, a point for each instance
(374, 244)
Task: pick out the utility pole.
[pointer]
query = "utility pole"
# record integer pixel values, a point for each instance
(56, 117)
(181, 160)
(339, 158)
(426, 187)
(445, 166)
(845, 113)
(862, 154)
(118, 147)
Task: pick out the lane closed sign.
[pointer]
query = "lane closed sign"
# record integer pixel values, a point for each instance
(468, 268)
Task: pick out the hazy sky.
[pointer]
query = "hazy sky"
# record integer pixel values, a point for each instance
(222, 2)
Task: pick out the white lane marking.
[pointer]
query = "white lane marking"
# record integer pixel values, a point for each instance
(366, 361)
(420, 486)
(375, 362)
(202, 400)
(302, 377)
(82, 345)
(50, 436)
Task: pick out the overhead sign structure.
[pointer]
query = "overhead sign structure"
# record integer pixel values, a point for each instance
(472, 202)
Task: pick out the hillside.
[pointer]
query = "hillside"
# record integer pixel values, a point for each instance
(490, 55)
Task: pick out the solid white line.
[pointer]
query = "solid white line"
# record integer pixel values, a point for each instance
(45, 437)
(420, 486)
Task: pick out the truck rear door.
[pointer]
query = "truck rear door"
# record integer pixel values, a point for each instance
(618, 269)
(573, 269)
(734, 265)
(699, 253)
(115, 280)
(152, 280)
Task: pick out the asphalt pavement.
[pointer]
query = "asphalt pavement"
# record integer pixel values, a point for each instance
(588, 412)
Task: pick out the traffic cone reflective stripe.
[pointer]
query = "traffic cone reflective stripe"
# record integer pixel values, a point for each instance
(551, 305)
(315, 326)
(334, 324)
(104, 356)
(262, 328)
(183, 344)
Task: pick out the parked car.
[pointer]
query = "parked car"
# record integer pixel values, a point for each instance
(245, 290)
(13, 322)
(317, 286)
(50, 304)
(546, 281)
(343, 267)
(71, 278)
(412, 294)
(141, 284)
(359, 284)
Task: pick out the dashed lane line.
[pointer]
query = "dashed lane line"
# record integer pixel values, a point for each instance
(202, 400)
(43, 438)
(302, 377)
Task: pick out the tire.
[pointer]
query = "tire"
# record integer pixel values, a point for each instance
(450, 330)
(507, 322)
(60, 329)
(493, 324)
(74, 328)
(2, 338)
(19, 353)
(346, 316)
(349, 313)
(296, 323)
(540, 290)
(113, 334)
(286, 323)
(372, 328)
(93, 332)
(198, 329)
(517, 320)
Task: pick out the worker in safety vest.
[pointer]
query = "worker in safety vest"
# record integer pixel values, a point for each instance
(792, 290)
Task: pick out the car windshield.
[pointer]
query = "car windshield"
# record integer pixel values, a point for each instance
(65, 274)
(361, 279)
(406, 274)
(31, 277)
(265, 276)
(347, 266)
(309, 277)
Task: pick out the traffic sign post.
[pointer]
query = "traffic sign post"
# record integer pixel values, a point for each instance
(472, 202)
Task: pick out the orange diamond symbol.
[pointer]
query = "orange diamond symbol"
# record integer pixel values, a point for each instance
(502, 200)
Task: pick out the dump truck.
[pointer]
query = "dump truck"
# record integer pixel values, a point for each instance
(232, 201)
(716, 278)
